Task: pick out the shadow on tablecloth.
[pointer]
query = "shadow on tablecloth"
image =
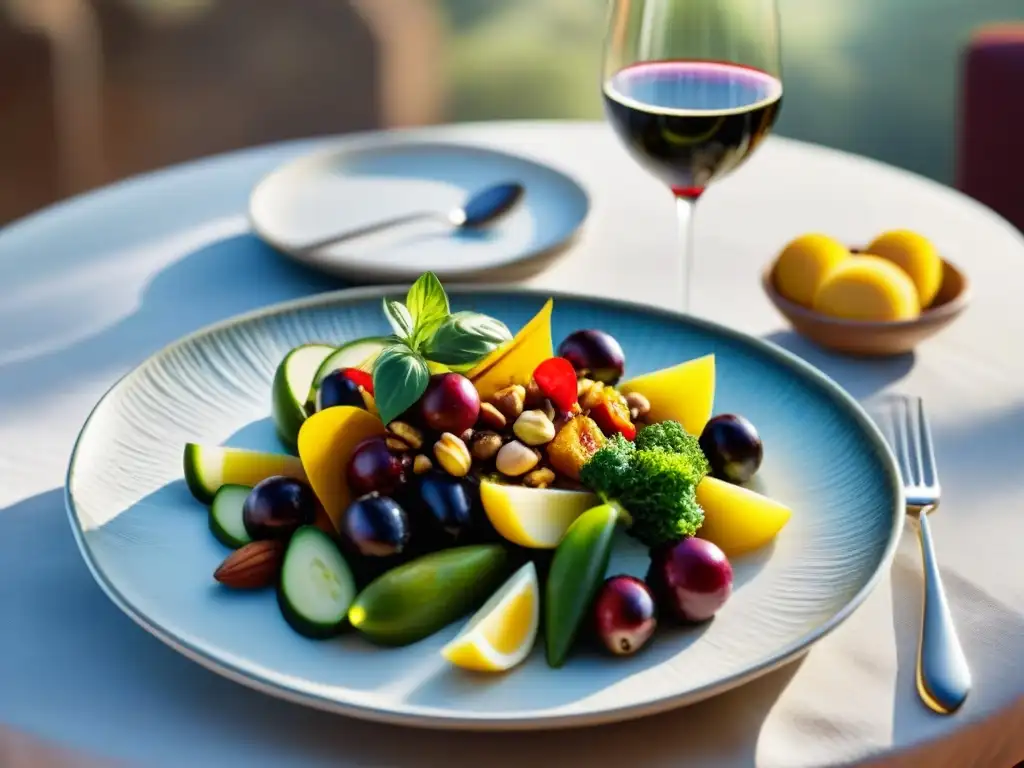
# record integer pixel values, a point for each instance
(861, 377)
(225, 277)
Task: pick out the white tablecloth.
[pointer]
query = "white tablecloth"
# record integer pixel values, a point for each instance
(91, 287)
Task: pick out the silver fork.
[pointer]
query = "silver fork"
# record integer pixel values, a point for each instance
(943, 679)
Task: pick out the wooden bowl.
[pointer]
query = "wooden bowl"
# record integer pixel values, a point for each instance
(876, 339)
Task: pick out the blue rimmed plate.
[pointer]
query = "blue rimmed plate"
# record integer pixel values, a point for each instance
(147, 544)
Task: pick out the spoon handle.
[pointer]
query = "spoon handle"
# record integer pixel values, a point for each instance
(943, 679)
(365, 230)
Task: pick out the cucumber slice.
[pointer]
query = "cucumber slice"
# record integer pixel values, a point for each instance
(355, 354)
(316, 586)
(226, 516)
(292, 382)
(208, 467)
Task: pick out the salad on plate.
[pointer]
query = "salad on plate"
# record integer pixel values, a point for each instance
(453, 470)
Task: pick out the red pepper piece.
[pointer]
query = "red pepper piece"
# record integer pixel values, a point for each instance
(358, 377)
(611, 414)
(556, 379)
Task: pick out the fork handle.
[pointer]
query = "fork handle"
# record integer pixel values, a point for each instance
(943, 679)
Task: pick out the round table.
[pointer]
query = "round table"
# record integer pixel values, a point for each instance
(94, 285)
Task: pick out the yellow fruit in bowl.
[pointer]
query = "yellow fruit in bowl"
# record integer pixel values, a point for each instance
(868, 288)
(915, 255)
(804, 264)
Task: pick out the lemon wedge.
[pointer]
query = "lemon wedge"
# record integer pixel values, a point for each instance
(501, 634)
(533, 517)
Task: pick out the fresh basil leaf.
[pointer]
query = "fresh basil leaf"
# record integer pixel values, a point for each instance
(399, 318)
(400, 377)
(428, 305)
(465, 337)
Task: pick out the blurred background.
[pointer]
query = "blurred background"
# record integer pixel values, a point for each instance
(95, 90)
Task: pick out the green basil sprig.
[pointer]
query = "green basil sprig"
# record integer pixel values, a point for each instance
(400, 376)
(466, 337)
(426, 329)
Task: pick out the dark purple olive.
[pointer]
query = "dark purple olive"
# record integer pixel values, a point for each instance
(374, 526)
(625, 615)
(337, 389)
(733, 447)
(276, 507)
(594, 354)
(690, 579)
(373, 468)
(450, 404)
(450, 505)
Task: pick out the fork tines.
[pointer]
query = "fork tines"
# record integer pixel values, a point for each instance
(905, 426)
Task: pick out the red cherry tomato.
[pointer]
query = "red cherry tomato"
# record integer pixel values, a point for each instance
(358, 377)
(556, 379)
(611, 414)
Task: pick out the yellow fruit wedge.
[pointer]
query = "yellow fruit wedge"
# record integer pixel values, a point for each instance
(515, 361)
(209, 467)
(683, 393)
(738, 519)
(326, 442)
(533, 517)
(502, 633)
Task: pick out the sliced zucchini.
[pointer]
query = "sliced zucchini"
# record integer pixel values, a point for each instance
(208, 467)
(316, 586)
(226, 516)
(356, 354)
(292, 382)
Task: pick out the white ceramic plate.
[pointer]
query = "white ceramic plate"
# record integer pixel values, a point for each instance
(147, 543)
(338, 190)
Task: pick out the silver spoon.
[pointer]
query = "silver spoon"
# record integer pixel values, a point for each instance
(480, 209)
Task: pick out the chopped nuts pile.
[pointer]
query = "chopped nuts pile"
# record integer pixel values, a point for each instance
(510, 436)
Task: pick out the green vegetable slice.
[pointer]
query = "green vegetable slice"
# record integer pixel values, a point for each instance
(317, 586)
(226, 515)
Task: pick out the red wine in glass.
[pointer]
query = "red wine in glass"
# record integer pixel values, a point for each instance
(689, 122)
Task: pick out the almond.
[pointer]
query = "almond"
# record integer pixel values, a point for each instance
(254, 566)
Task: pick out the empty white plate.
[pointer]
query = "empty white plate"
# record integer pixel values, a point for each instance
(341, 189)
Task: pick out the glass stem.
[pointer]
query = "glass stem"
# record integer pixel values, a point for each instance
(684, 210)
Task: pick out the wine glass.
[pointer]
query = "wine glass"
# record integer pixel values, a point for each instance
(692, 87)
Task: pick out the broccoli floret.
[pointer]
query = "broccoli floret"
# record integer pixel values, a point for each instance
(608, 468)
(663, 497)
(671, 437)
(656, 487)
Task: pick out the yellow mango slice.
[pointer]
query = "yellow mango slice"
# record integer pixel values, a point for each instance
(515, 361)
(738, 519)
(683, 393)
(326, 442)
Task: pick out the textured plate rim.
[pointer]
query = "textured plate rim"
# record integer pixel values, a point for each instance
(346, 268)
(294, 694)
